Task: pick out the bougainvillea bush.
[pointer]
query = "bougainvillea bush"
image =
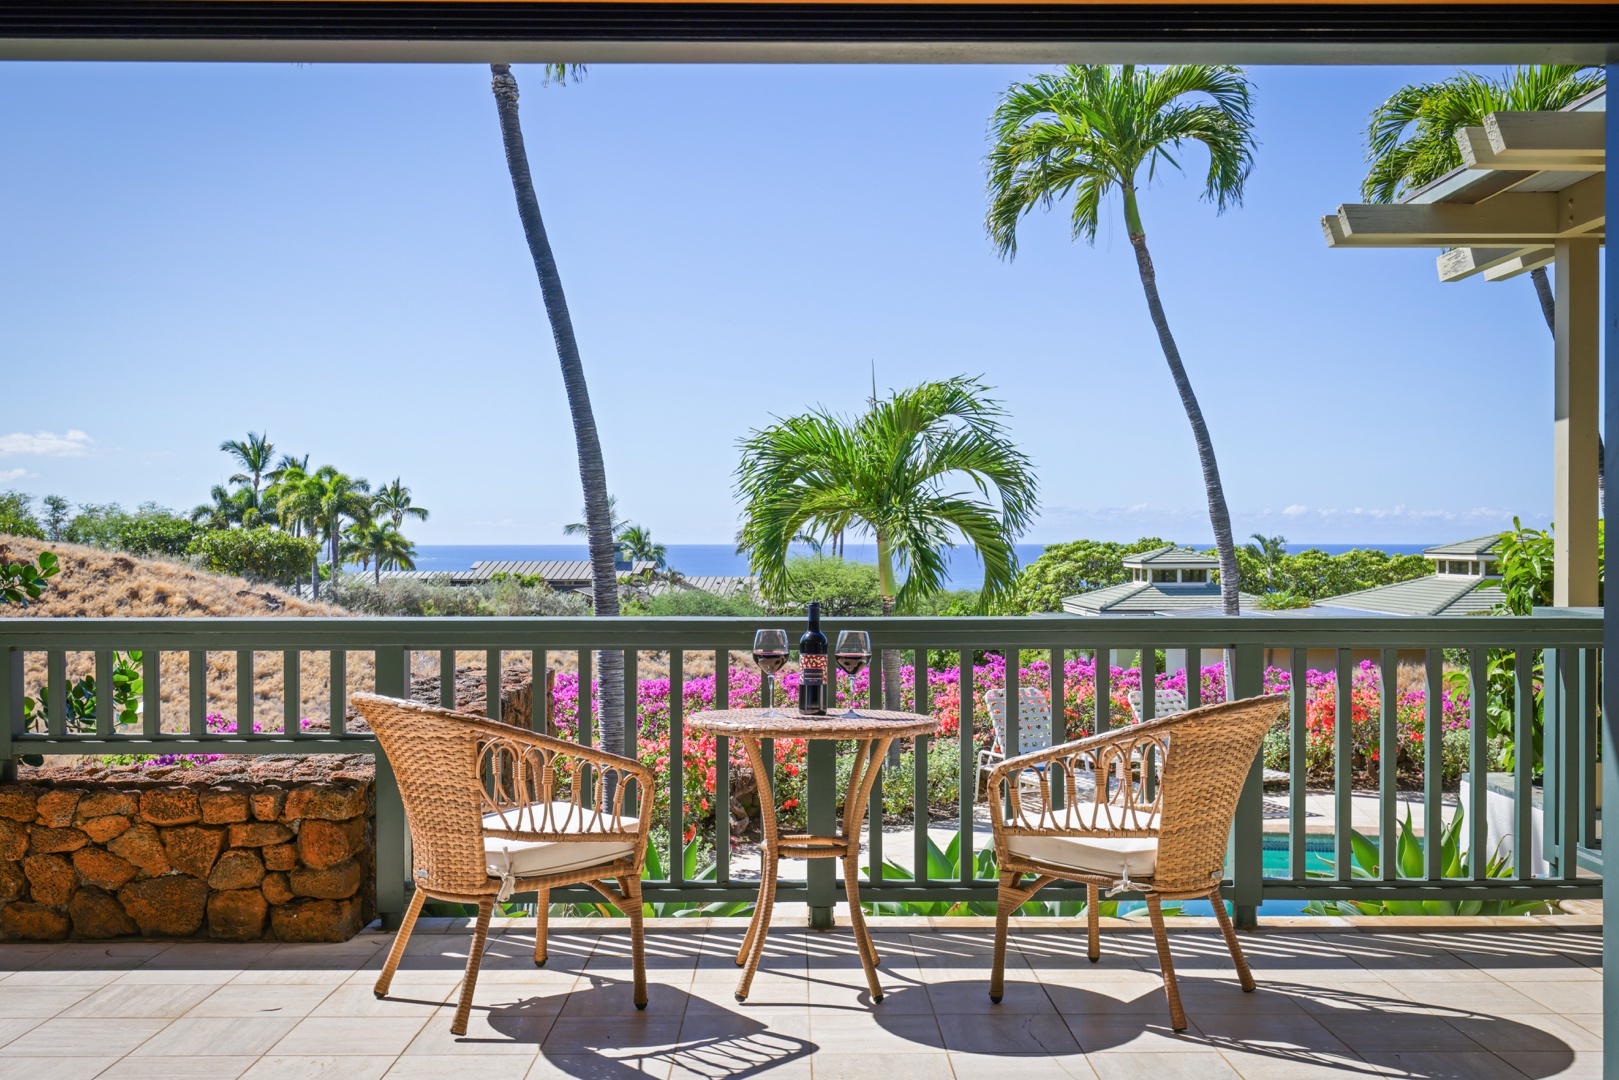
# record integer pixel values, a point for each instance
(700, 754)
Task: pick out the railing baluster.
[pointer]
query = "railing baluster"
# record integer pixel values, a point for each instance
(1194, 677)
(919, 776)
(106, 718)
(151, 697)
(292, 693)
(1569, 675)
(539, 716)
(1149, 684)
(1523, 792)
(722, 771)
(1104, 689)
(1013, 744)
(1590, 661)
(1388, 756)
(197, 672)
(677, 764)
(1297, 745)
(967, 790)
(56, 689)
(244, 692)
(586, 733)
(1478, 762)
(1342, 764)
(1433, 765)
(632, 721)
(1057, 782)
(337, 709)
(493, 668)
(446, 678)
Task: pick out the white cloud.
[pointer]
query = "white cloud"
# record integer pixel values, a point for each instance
(13, 474)
(1296, 510)
(47, 444)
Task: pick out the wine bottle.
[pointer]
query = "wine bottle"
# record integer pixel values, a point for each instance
(812, 666)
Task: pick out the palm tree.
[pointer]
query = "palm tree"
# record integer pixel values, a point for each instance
(253, 454)
(1087, 131)
(1411, 141)
(393, 500)
(900, 472)
(379, 544)
(288, 473)
(1269, 551)
(592, 468)
(324, 500)
(635, 541)
(224, 508)
(580, 528)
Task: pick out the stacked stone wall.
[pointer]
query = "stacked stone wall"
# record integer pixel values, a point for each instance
(281, 850)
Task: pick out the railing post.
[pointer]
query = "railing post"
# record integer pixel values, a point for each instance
(392, 862)
(11, 721)
(821, 874)
(1247, 830)
(1610, 623)
(1554, 728)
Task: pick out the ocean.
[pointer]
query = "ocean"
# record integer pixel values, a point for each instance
(722, 560)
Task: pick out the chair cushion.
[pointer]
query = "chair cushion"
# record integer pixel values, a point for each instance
(1135, 857)
(534, 858)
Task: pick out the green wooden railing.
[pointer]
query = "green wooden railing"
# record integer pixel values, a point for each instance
(1568, 646)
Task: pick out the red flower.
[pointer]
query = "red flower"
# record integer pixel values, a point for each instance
(691, 831)
(789, 804)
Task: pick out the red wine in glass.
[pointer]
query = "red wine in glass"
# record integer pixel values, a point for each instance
(853, 653)
(770, 662)
(770, 653)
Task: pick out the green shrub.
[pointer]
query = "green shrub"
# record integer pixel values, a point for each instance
(410, 596)
(17, 515)
(692, 602)
(261, 554)
(844, 588)
(150, 530)
(1065, 569)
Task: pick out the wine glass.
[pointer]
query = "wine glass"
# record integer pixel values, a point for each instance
(853, 653)
(770, 653)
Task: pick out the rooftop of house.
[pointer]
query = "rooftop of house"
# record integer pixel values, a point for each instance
(1437, 594)
(1148, 598)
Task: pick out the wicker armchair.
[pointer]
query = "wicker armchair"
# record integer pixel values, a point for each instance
(1146, 808)
(496, 809)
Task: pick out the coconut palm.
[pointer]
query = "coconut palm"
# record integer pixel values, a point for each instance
(580, 528)
(636, 542)
(1269, 552)
(224, 508)
(1411, 140)
(379, 545)
(592, 468)
(393, 501)
(917, 470)
(326, 499)
(254, 455)
(1087, 132)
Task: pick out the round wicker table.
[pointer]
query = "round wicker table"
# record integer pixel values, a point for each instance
(872, 730)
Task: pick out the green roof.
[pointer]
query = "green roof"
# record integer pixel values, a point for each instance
(1433, 595)
(1145, 598)
(1171, 556)
(1479, 545)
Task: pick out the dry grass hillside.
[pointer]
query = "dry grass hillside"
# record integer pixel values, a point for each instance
(97, 583)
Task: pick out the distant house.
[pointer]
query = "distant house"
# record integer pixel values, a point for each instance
(568, 575)
(1165, 581)
(1463, 583)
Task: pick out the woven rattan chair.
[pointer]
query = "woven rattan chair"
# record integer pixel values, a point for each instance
(1155, 819)
(496, 809)
(1033, 726)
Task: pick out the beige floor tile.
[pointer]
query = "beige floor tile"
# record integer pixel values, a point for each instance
(339, 1036)
(1133, 1034)
(1558, 997)
(327, 1067)
(1018, 996)
(212, 1036)
(1544, 1032)
(769, 1053)
(16, 1027)
(84, 1038)
(136, 999)
(1020, 1066)
(405, 999)
(22, 954)
(853, 1033)
(585, 1065)
(1500, 1000)
(237, 999)
(1397, 1033)
(39, 1001)
(53, 1068)
(846, 1066)
(1206, 1065)
(644, 1034)
(1471, 1065)
(1009, 1033)
(1284, 1032)
(179, 1068)
(1582, 1065)
(67, 976)
(723, 1026)
(1295, 1065)
(486, 1067)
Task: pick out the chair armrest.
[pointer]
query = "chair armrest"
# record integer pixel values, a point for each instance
(550, 789)
(1110, 755)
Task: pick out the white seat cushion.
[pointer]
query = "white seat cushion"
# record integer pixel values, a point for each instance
(529, 858)
(1134, 857)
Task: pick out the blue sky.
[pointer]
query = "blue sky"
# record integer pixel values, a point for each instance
(332, 254)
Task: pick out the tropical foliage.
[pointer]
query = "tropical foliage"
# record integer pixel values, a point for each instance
(1065, 569)
(1087, 132)
(23, 580)
(263, 554)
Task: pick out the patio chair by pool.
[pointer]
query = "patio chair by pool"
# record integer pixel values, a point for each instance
(1165, 702)
(496, 809)
(1033, 727)
(1158, 826)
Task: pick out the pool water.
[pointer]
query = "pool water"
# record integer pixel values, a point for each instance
(1318, 857)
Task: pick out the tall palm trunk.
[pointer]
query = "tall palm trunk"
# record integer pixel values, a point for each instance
(1548, 308)
(890, 660)
(592, 470)
(1219, 516)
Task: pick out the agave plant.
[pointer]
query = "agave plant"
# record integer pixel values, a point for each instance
(1366, 865)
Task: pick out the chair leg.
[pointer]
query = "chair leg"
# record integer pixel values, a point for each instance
(857, 921)
(542, 925)
(401, 939)
(767, 900)
(1172, 990)
(1008, 900)
(630, 887)
(758, 912)
(469, 982)
(1093, 922)
(1230, 932)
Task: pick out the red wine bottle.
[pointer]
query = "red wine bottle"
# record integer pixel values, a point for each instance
(812, 666)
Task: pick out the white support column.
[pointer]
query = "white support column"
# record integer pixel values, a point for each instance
(1575, 504)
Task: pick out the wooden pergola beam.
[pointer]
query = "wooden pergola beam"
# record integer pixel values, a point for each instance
(1569, 140)
(1522, 219)
(1461, 263)
(1533, 260)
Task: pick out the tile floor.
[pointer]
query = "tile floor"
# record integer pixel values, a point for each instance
(1475, 1005)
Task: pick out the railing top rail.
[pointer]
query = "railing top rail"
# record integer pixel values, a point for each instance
(659, 633)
